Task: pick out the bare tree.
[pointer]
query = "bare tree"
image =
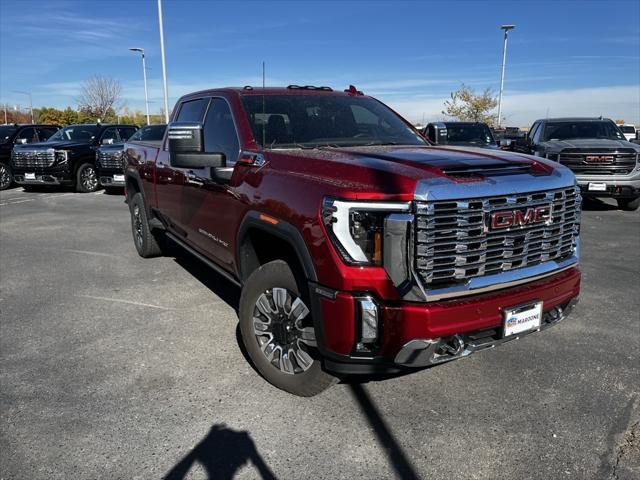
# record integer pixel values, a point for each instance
(99, 96)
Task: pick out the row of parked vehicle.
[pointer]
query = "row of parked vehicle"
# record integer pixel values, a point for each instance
(603, 155)
(361, 246)
(84, 156)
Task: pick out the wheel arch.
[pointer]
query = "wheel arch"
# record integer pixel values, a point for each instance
(260, 241)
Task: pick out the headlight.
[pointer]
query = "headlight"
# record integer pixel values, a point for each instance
(61, 156)
(356, 228)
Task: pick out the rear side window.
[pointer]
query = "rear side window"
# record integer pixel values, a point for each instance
(126, 132)
(27, 135)
(149, 133)
(45, 132)
(220, 132)
(193, 111)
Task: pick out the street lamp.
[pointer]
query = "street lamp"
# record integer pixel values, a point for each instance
(164, 65)
(30, 102)
(506, 29)
(144, 76)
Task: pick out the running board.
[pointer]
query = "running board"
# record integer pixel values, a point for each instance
(204, 259)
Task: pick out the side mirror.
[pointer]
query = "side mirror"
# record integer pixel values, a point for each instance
(186, 147)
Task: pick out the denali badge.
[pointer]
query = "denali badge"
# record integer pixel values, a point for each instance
(520, 217)
(599, 158)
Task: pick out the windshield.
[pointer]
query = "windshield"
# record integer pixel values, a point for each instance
(78, 133)
(149, 133)
(474, 133)
(628, 129)
(573, 130)
(6, 132)
(311, 121)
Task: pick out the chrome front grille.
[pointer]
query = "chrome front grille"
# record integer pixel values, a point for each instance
(113, 160)
(617, 162)
(33, 158)
(454, 241)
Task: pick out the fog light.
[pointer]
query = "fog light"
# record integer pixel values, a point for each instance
(368, 311)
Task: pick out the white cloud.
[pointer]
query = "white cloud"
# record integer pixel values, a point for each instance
(522, 108)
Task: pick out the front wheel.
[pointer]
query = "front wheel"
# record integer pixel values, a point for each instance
(277, 331)
(6, 178)
(629, 204)
(87, 178)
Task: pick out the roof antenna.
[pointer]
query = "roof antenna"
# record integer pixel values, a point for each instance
(263, 106)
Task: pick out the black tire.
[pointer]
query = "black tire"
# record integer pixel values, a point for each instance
(629, 204)
(145, 241)
(6, 178)
(87, 178)
(277, 274)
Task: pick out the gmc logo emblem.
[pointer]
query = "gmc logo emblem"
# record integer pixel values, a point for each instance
(599, 158)
(520, 217)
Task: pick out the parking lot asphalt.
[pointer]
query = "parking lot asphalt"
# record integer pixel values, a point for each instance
(112, 366)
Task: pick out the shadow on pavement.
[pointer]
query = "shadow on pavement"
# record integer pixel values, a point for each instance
(396, 456)
(211, 279)
(222, 453)
(596, 205)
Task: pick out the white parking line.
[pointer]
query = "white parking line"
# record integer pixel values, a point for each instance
(130, 302)
(96, 254)
(20, 201)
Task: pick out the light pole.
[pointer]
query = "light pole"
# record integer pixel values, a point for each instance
(30, 102)
(506, 29)
(164, 65)
(144, 76)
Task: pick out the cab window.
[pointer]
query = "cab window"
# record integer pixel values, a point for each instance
(27, 135)
(193, 110)
(220, 134)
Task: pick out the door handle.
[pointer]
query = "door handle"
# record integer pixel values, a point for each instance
(193, 178)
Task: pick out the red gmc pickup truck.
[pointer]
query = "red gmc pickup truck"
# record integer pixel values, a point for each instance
(359, 248)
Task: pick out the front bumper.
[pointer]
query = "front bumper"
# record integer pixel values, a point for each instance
(107, 176)
(617, 186)
(416, 335)
(43, 176)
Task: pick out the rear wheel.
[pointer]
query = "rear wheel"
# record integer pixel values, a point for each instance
(629, 204)
(87, 178)
(277, 331)
(144, 239)
(6, 178)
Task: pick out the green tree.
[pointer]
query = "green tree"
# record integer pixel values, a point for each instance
(466, 106)
(69, 116)
(51, 115)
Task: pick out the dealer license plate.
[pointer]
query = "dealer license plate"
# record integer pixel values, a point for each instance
(522, 319)
(29, 176)
(118, 178)
(597, 187)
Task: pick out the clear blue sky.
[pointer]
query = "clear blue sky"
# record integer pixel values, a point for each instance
(564, 57)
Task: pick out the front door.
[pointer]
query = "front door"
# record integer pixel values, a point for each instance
(210, 215)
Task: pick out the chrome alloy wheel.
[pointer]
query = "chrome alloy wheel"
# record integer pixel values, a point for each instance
(138, 226)
(5, 178)
(89, 178)
(278, 319)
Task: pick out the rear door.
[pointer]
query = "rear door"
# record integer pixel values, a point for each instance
(173, 199)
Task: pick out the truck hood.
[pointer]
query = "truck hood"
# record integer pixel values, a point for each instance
(395, 170)
(57, 145)
(112, 148)
(587, 143)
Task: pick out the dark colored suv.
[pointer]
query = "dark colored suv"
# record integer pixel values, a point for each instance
(67, 158)
(15, 134)
(110, 161)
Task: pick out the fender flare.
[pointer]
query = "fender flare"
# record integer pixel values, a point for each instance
(283, 230)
